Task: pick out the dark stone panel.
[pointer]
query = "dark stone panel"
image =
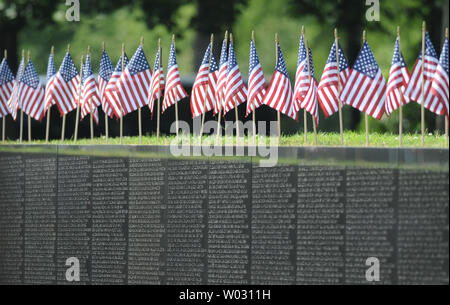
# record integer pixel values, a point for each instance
(12, 220)
(320, 225)
(187, 197)
(370, 222)
(40, 193)
(273, 223)
(146, 221)
(74, 213)
(229, 207)
(423, 238)
(109, 245)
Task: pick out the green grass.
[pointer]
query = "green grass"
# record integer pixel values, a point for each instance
(324, 139)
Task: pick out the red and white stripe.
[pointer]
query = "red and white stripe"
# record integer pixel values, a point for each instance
(110, 96)
(309, 101)
(90, 98)
(32, 101)
(132, 90)
(328, 91)
(156, 88)
(5, 94)
(414, 88)
(256, 89)
(220, 90)
(203, 91)
(174, 89)
(47, 96)
(439, 88)
(64, 94)
(279, 95)
(365, 94)
(398, 80)
(101, 90)
(236, 92)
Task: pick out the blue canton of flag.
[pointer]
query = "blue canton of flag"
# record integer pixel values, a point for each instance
(366, 63)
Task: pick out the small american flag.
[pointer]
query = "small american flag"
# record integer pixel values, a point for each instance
(256, 81)
(204, 89)
(439, 86)
(398, 80)
(110, 95)
(157, 84)
(279, 94)
(174, 89)
(301, 76)
(328, 91)
(6, 87)
(90, 97)
(13, 102)
(366, 88)
(31, 93)
(104, 75)
(414, 88)
(51, 73)
(65, 86)
(221, 79)
(134, 83)
(236, 92)
(309, 101)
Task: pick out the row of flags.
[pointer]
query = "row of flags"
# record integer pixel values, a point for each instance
(220, 88)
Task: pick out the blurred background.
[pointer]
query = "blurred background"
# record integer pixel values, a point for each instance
(36, 25)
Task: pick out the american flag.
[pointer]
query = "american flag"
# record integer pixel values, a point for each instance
(398, 80)
(110, 95)
(157, 84)
(51, 73)
(204, 89)
(440, 80)
(65, 86)
(134, 83)
(174, 89)
(256, 81)
(90, 97)
(13, 102)
(104, 75)
(301, 76)
(222, 79)
(31, 93)
(6, 87)
(366, 88)
(235, 92)
(309, 101)
(328, 91)
(414, 88)
(279, 94)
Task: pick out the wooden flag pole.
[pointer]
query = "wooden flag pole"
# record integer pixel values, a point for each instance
(278, 112)
(341, 125)
(309, 79)
(254, 104)
(400, 108)
(176, 103)
(91, 108)
(158, 107)
(366, 116)
(221, 101)
(47, 127)
(21, 110)
(207, 89)
(106, 115)
(422, 104)
(29, 117)
(236, 112)
(121, 109)
(139, 109)
(305, 118)
(77, 118)
(63, 128)
(3, 118)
